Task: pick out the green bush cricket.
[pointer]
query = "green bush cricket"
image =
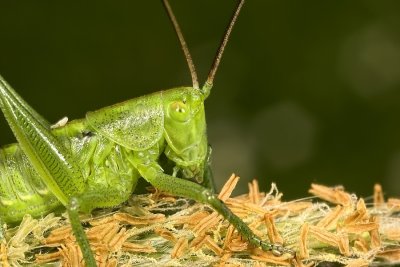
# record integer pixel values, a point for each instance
(96, 161)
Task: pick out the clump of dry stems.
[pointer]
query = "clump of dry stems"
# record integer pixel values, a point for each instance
(161, 230)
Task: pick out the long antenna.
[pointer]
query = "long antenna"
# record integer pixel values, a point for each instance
(184, 47)
(210, 79)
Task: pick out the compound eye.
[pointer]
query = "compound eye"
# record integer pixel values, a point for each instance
(179, 111)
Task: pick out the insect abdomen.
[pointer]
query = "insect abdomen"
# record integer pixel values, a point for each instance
(21, 190)
(104, 166)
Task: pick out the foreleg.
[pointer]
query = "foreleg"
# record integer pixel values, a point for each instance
(153, 173)
(208, 180)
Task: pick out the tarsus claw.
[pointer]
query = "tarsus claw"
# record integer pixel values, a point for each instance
(278, 250)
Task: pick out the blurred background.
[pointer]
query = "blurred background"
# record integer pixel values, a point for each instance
(307, 92)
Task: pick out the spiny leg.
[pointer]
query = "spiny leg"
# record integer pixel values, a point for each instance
(184, 188)
(46, 153)
(55, 165)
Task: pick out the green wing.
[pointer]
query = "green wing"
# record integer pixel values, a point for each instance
(136, 124)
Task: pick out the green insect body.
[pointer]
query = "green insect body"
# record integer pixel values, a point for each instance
(96, 161)
(108, 144)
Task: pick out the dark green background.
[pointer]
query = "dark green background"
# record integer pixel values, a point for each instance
(308, 91)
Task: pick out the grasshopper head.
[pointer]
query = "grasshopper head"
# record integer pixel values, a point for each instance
(185, 129)
(184, 122)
